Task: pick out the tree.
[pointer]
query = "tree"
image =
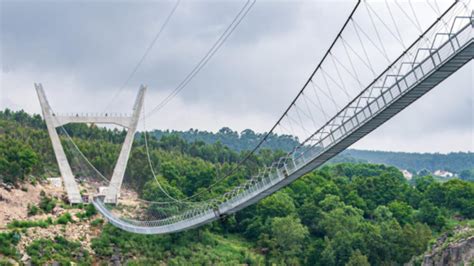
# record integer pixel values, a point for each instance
(430, 214)
(459, 195)
(401, 211)
(380, 189)
(423, 182)
(331, 202)
(415, 240)
(16, 159)
(342, 219)
(352, 198)
(358, 259)
(467, 174)
(289, 235)
(153, 192)
(170, 171)
(277, 205)
(328, 256)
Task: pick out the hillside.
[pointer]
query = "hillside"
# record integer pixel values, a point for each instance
(343, 213)
(247, 139)
(243, 141)
(454, 162)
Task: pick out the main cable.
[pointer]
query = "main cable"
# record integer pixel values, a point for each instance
(250, 154)
(205, 59)
(147, 51)
(219, 42)
(230, 28)
(150, 163)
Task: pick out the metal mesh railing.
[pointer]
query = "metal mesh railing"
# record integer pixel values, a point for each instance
(416, 64)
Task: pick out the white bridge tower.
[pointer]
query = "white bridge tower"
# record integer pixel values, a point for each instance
(55, 120)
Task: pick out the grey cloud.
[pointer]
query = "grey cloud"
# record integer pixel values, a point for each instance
(87, 49)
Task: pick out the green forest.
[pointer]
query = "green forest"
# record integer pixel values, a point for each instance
(344, 213)
(461, 163)
(245, 140)
(456, 162)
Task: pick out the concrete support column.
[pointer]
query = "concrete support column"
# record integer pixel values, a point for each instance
(68, 178)
(113, 191)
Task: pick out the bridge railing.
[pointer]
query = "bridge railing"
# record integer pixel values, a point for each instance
(360, 110)
(363, 108)
(399, 78)
(373, 100)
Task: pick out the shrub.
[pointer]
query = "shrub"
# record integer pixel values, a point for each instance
(27, 224)
(89, 212)
(33, 180)
(44, 251)
(33, 210)
(97, 222)
(47, 204)
(8, 241)
(65, 218)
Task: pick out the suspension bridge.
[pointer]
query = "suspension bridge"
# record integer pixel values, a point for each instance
(359, 84)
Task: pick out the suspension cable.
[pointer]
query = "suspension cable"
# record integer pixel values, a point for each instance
(147, 51)
(145, 133)
(270, 132)
(205, 59)
(286, 114)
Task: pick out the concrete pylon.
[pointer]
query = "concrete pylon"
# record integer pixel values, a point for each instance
(54, 120)
(68, 178)
(113, 191)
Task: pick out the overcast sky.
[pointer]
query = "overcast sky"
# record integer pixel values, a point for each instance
(83, 51)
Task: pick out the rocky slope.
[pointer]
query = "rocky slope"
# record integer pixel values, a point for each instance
(14, 204)
(14, 201)
(452, 249)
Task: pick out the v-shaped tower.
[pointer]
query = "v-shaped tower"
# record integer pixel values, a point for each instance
(54, 121)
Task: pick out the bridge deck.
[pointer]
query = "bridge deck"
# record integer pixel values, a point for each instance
(436, 67)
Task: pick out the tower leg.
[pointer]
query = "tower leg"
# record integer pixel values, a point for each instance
(112, 192)
(68, 178)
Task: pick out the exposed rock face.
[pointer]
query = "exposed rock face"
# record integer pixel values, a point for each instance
(14, 206)
(14, 202)
(458, 252)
